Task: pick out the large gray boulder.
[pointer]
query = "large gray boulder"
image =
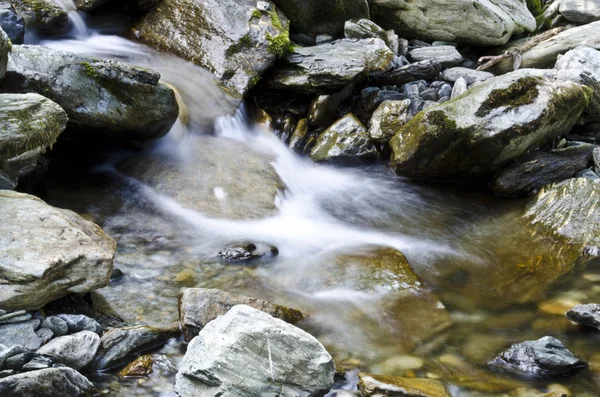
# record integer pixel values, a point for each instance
(231, 38)
(491, 124)
(570, 211)
(29, 124)
(75, 351)
(545, 53)
(46, 253)
(346, 139)
(247, 178)
(580, 11)
(329, 67)
(479, 22)
(316, 17)
(11, 22)
(105, 98)
(51, 382)
(248, 353)
(582, 65)
(45, 16)
(199, 306)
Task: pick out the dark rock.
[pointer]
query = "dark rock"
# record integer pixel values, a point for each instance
(57, 325)
(430, 94)
(51, 382)
(423, 70)
(79, 322)
(588, 315)
(43, 15)
(12, 23)
(246, 252)
(21, 334)
(543, 358)
(371, 98)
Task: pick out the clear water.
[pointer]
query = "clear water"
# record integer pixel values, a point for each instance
(494, 275)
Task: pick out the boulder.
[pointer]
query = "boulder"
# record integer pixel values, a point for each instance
(491, 124)
(481, 22)
(470, 75)
(569, 210)
(545, 53)
(249, 353)
(46, 253)
(30, 124)
(75, 351)
(315, 17)
(388, 118)
(329, 67)
(105, 98)
(346, 139)
(51, 382)
(21, 335)
(11, 22)
(588, 315)
(371, 385)
(446, 55)
(119, 344)
(231, 38)
(45, 16)
(534, 170)
(582, 65)
(543, 358)
(250, 194)
(199, 306)
(580, 11)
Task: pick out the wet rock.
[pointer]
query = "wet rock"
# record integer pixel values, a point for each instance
(232, 39)
(51, 382)
(447, 56)
(47, 253)
(11, 22)
(347, 138)
(247, 252)
(199, 306)
(57, 325)
(324, 109)
(299, 135)
(89, 5)
(580, 11)
(480, 23)
(251, 194)
(371, 98)
(106, 99)
(534, 170)
(30, 124)
(21, 335)
(118, 344)
(543, 358)
(366, 29)
(43, 15)
(377, 385)
(389, 117)
(330, 67)
(586, 315)
(460, 87)
(399, 75)
(138, 368)
(314, 17)
(79, 322)
(470, 75)
(569, 210)
(495, 122)
(267, 355)
(75, 351)
(544, 54)
(29, 362)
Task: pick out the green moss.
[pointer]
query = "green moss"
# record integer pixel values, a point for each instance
(439, 119)
(522, 92)
(253, 81)
(535, 6)
(275, 20)
(256, 14)
(244, 42)
(280, 44)
(89, 70)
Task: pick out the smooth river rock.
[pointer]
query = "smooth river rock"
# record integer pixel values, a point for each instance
(491, 124)
(199, 306)
(29, 124)
(588, 315)
(329, 67)
(570, 211)
(231, 38)
(479, 22)
(106, 99)
(51, 382)
(75, 351)
(249, 194)
(316, 17)
(21, 335)
(372, 385)
(249, 353)
(47, 253)
(543, 358)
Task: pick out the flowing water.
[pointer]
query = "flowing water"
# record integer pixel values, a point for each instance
(490, 280)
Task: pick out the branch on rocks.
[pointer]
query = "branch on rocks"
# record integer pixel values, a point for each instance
(423, 70)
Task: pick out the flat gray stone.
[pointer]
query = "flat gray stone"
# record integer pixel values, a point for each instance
(21, 335)
(75, 351)
(447, 56)
(470, 75)
(51, 382)
(580, 11)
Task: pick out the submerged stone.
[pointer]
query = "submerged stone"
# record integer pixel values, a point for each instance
(371, 385)
(588, 315)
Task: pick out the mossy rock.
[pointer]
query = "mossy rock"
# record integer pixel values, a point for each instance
(494, 122)
(43, 15)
